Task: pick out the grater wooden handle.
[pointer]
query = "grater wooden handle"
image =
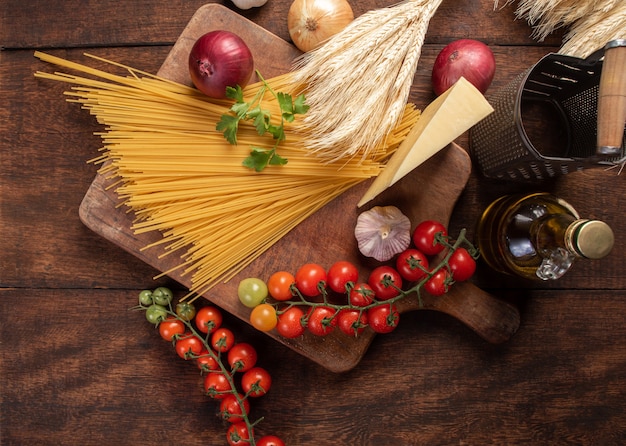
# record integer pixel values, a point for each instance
(612, 100)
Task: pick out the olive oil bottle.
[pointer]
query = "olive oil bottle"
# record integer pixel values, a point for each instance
(538, 236)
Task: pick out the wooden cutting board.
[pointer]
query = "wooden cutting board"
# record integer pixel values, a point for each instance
(429, 192)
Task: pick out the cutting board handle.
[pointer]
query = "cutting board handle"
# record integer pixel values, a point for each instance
(491, 318)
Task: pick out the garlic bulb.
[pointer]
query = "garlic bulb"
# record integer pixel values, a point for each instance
(247, 4)
(382, 232)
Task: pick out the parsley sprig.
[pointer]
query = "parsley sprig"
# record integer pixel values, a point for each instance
(259, 157)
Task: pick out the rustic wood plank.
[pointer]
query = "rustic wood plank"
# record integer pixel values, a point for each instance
(73, 23)
(85, 370)
(45, 147)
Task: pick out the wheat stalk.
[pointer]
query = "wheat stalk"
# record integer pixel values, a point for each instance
(590, 24)
(594, 30)
(546, 16)
(358, 82)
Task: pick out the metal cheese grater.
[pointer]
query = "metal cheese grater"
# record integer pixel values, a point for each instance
(576, 107)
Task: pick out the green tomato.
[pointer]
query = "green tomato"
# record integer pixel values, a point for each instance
(162, 296)
(145, 298)
(185, 310)
(252, 292)
(156, 313)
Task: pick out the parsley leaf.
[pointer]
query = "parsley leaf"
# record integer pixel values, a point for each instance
(277, 160)
(300, 106)
(229, 125)
(278, 132)
(260, 158)
(291, 108)
(235, 93)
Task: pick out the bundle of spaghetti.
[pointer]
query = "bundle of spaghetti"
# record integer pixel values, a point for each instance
(180, 177)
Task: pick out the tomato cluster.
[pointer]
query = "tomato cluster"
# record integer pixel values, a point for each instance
(306, 301)
(430, 237)
(231, 373)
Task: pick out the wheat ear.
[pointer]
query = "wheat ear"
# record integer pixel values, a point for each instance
(546, 16)
(358, 82)
(594, 31)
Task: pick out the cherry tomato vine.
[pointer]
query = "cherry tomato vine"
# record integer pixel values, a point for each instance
(306, 300)
(199, 337)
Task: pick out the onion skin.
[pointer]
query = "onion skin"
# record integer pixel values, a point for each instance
(220, 59)
(466, 58)
(311, 22)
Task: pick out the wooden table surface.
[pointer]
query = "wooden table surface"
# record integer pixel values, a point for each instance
(78, 368)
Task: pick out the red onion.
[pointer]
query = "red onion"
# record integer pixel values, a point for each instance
(468, 58)
(220, 59)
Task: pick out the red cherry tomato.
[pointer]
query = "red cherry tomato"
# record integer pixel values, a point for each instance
(424, 237)
(309, 278)
(207, 362)
(462, 265)
(188, 346)
(231, 410)
(208, 319)
(242, 357)
(412, 265)
(171, 328)
(222, 340)
(321, 320)
(238, 435)
(256, 382)
(385, 281)
(439, 283)
(290, 323)
(383, 318)
(352, 322)
(361, 295)
(279, 285)
(340, 274)
(270, 440)
(216, 385)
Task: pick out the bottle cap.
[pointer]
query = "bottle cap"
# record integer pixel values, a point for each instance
(592, 239)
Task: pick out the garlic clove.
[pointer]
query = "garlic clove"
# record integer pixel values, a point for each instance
(382, 232)
(248, 4)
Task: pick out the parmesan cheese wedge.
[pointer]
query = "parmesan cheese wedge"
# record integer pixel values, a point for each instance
(441, 122)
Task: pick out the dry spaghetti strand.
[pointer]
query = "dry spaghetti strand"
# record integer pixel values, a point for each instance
(180, 177)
